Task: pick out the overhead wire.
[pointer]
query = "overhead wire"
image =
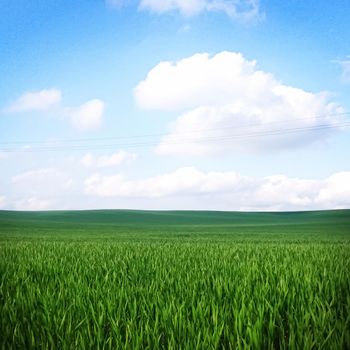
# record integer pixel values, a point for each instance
(63, 145)
(315, 118)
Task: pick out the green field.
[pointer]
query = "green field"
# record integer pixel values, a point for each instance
(174, 280)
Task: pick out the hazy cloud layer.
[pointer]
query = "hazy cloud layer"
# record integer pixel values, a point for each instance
(108, 160)
(238, 192)
(39, 177)
(3, 155)
(44, 180)
(39, 189)
(34, 203)
(187, 187)
(2, 202)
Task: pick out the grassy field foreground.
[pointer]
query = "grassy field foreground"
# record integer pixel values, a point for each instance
(174, 280)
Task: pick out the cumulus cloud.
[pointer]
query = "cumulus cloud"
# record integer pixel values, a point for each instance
(227, 98)
(241, 9)
(88, 115)
(236, 191)
(36, 101)
(102, 161)
(336, 191)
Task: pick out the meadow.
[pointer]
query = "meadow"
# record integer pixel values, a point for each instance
(174, 280)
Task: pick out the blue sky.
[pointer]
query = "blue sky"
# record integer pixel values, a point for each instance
(247, 102)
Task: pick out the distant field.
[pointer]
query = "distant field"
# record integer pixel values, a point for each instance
(123, 279)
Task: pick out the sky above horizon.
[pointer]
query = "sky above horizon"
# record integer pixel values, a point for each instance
(173, 104)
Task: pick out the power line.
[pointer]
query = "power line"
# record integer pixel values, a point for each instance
(181, 140)
(223, 127)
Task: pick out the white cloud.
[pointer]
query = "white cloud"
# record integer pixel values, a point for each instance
(241, 9)
(118, 158)
(229, 190)
(33, 203)
(279, 190)
(225, 97)
(45, 181)
(3, 155)
(40, 189)
(336, 191)
(2, 202)
(345, 66)
(184, 180)
(88, 115)
(36, 101)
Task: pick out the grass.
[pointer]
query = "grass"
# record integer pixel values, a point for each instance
(174, 280)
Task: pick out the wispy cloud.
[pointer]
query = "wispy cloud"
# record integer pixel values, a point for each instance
(117, 3)
(108, 160)
(35, 101)
(241, 9)
(245, 10)
(345, 66)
